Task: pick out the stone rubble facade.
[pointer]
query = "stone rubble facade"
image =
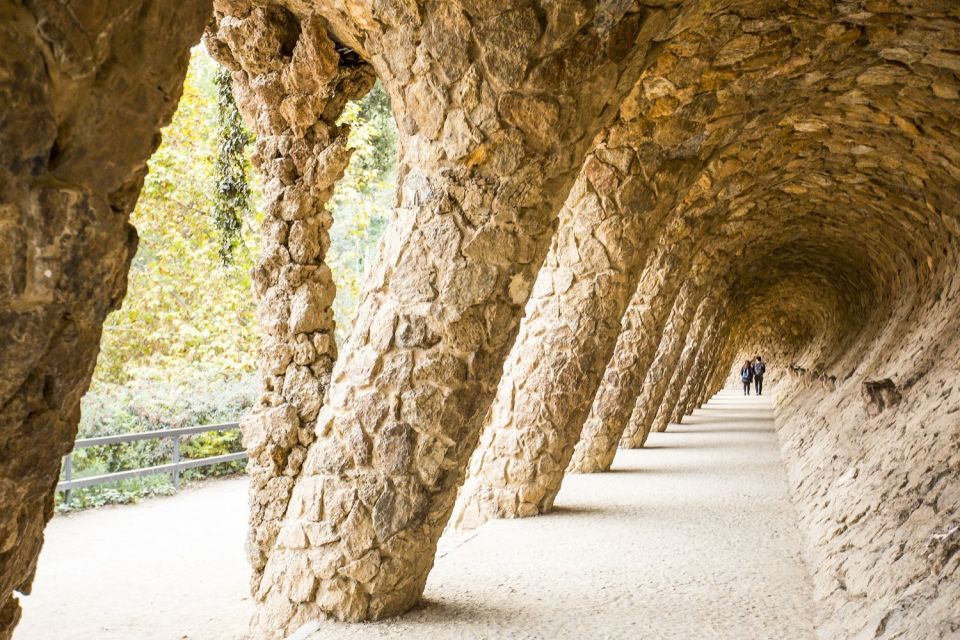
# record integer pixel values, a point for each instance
(602, 208)
(292, 84)
(83, 92)
(564, 343)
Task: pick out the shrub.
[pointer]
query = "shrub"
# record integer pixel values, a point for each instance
(154, 400)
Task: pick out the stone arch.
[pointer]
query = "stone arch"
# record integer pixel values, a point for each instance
(800, 160)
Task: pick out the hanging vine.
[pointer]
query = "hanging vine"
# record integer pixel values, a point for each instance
(232, 197)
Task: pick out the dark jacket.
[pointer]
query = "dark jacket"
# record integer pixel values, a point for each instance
(749, 371)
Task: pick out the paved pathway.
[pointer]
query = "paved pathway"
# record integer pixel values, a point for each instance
(691, 538)
(165, 569)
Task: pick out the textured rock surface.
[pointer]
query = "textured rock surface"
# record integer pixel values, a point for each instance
(795, 166)
(693, 387)
(878, 491)
(292, 82)
(491, 144)
(84, 88)
(643, 324)
(683, 368)
(570, 327)
(665, 367)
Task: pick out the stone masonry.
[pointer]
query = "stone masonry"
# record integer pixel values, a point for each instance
(603, 207)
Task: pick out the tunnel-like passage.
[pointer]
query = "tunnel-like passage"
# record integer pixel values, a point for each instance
(602, 206)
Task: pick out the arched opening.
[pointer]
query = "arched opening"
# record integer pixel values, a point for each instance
(599, 208)
(182, 354)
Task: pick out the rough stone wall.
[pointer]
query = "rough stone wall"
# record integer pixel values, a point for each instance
(806, 159)
(84, 89)
(872, 445)
(496, 109)
(292, 82)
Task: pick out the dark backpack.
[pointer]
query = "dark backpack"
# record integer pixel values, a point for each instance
(759, 368)
(745, 374)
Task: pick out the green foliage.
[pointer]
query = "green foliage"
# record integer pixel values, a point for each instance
(182, 350)
(184, 304)
(166, 398)
(153, 400)
(123, 492)
(373, 135)
(232, 197)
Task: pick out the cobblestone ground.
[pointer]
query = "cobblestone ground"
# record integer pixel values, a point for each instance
(693, 537)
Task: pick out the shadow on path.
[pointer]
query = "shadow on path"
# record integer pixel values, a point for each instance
(691, 538)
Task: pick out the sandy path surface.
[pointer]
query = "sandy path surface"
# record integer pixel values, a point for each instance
(693, 537)
(165, 569)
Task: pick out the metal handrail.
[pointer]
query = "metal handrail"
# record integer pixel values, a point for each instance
(69, 484)
(153, 435)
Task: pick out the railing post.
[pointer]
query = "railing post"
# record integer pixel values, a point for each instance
(176, 460)
(68, 476)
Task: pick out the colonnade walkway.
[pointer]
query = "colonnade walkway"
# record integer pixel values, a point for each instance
(693, 537)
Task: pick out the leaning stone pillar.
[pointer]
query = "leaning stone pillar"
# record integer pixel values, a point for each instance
(494, 128)
(661, 371)
(291, 88)
(690, 372)
(641, 328)
(692, 390)
(720, 368)
(570, 327)
(730, 352)
(83, 94)
(706, 388)
(666, 411)
(703, 366)
(691, 385)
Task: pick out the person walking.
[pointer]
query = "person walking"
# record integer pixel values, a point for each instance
(746, 375)
(758, 370)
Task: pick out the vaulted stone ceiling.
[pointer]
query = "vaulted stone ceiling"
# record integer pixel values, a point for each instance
(602, 207)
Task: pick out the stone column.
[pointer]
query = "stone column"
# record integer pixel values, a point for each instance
(291, 87)
(707, 364)
(690, 386)
(721, 369)
(666, 411)
(84, 89)
(571, 325)
(661, 371)
(494, 128)
(693, 389)
(641, 328)
(716, 377)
